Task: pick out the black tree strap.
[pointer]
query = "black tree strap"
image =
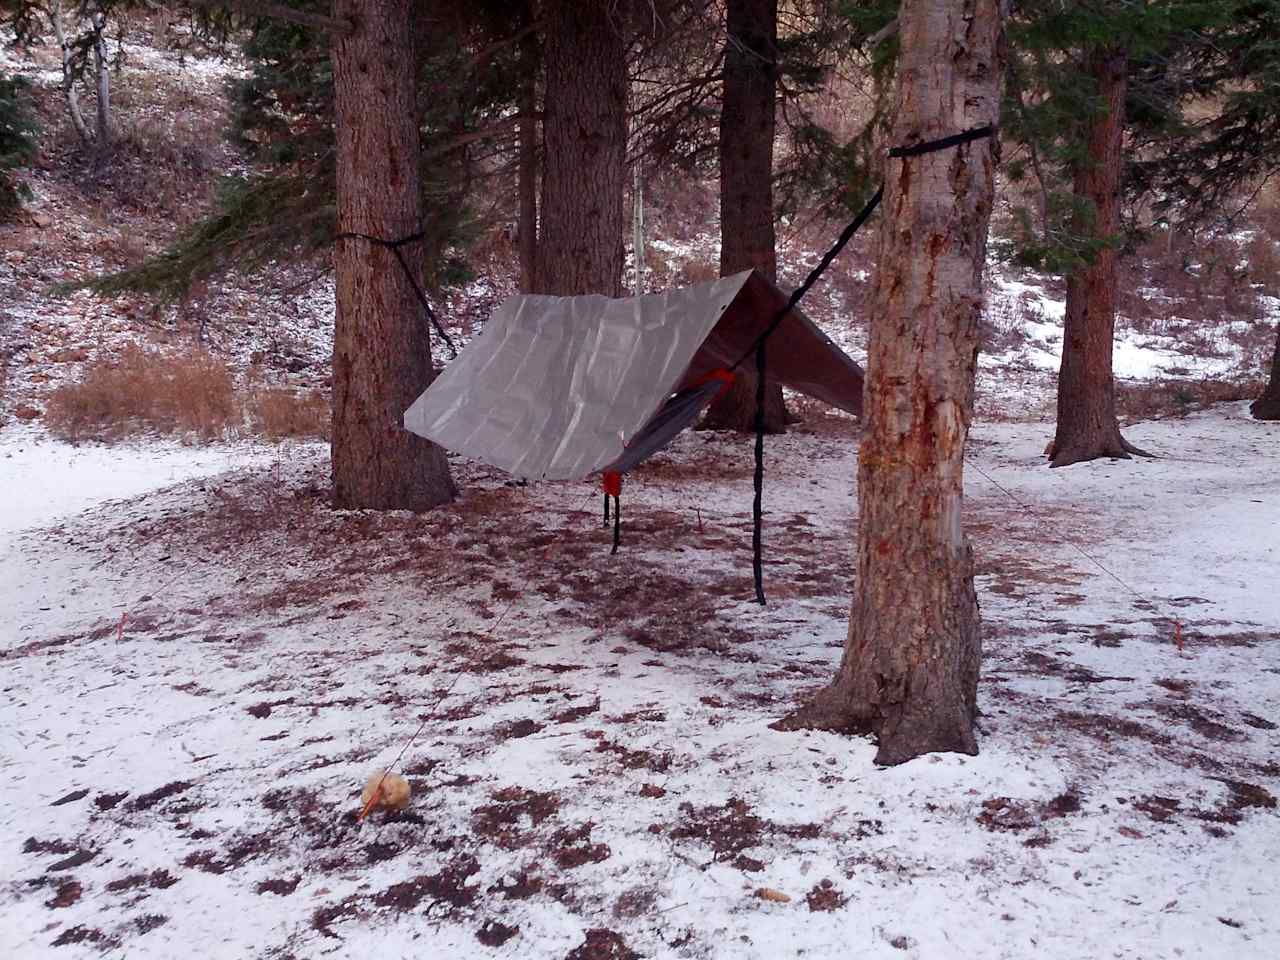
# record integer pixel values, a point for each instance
(617, 523)
(394, 246)
(758, 347)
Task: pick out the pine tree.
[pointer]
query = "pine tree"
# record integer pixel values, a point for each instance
(909, 673)
(18, 130)
(747, 239)
(382, 344)
(584, 130)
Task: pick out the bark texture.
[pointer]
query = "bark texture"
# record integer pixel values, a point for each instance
(1087, 424)
(584, 134)
(381, 348)
(1267, 406)
(527, 233)
(910, 668)
(747, 239)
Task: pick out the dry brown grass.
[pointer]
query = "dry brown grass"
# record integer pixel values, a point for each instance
(279, 413)
(146, 390)
(1158, 399)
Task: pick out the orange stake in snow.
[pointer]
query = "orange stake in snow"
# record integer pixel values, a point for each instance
(1177, 635)
(120, 629)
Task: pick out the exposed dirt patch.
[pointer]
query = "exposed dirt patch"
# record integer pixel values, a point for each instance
(67, 894)
(79, 934)
(1008, 814)
(448, 886)
(494, 934)
(520, 886)
(636, 759)
(148, 800)
(728, 830)
(1107, 728)
(33, 845)
(1158, 808)
(281, 886)
(572, 847)
(156, 879)
(77, 859)
(1243, 796)
(825, 897)
(1199, 721)
(323, 918)
(574, 714)
(502, 822)
(516, 730)
(602, 944)
(149, 921)
(71, 797)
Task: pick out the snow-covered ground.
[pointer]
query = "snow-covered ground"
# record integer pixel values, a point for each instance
(596, 776)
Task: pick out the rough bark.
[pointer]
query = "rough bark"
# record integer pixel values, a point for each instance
(747, 121)
(910, 668)
(584, 133)
(1087, 424)
(381, 349)
(1267, 406)
(527, 232)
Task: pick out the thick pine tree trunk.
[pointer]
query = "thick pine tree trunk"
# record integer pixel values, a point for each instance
(910, 668)
(1267, 406)
(746, 188)
(527, 235)
(584, 134)
(1087, 424)
(381, 347)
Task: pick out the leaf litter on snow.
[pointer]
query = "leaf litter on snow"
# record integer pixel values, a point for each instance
(596, 773)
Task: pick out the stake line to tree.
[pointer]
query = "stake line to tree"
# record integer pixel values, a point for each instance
(1031, 512)
(373, 796)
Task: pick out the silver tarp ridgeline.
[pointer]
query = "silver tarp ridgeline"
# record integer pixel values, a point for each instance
(553, 387)
(556, 387)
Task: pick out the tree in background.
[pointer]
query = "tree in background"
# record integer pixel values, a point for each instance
(1267, 406)
(584, 132)
(382, 344)
(80, 28)
(909, 673)
(747, 130)
(1100, 97)
(1211, 168)
(17, 141)
(1087, 424)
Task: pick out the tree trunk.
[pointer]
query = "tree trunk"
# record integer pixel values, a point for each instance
(1267, 406)
(746, 189)
(69, 71)
(1087, 424)
(381, 348)
(527, 233)
(910, 668)
(102, 78)
(584, 132)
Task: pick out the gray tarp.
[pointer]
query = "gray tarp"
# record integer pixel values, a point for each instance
(554, 387)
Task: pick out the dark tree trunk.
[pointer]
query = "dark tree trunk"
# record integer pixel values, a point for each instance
(381, 348)
(746, 188)
(1267, 406)
(1087, 424)
(528, 165)
(910, 669)
(584, 134)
